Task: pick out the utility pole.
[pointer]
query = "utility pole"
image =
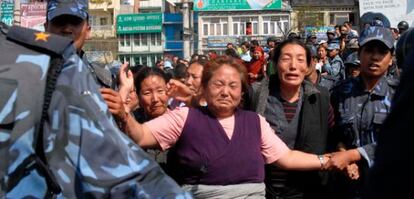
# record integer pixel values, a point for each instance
(136, 6)
(186, 29)
(17, 13)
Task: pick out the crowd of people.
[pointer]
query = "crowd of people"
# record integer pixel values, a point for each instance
(297, 118)
(327, 98)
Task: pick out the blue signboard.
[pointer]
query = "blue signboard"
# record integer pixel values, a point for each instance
(6, 11)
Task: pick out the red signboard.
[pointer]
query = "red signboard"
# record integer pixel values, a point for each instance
(33, 15)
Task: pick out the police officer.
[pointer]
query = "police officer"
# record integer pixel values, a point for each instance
(70, 18)
(335, 67)
(352, 65)
(56, 139)
(361, 104)
(390, 173)
(403, 26)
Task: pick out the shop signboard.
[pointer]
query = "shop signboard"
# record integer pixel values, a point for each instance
(319, 31)
(220, 41)
(6, 12)
(139, 23)
(219, 5)
(33, 15)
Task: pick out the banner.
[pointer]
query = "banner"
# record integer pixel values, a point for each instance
(394, 10)
(139, 23)
(6, 12)
(221, 41)
(33, 15)
(319, 31)
(217, 5)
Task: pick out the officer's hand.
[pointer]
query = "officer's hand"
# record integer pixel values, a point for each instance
(340, 160)
(353, 171)
(114, 102)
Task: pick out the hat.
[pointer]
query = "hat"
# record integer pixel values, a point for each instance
(322, 42)
(331, 32)
(353, 43)
(377, 22)
(353, 59)
(377, 33)
(168, 64)
(311, 35)
(333, 46)
(77, 8)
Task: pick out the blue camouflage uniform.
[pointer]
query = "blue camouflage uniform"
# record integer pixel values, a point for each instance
(360, 113)
(86, 156)
(335, 67)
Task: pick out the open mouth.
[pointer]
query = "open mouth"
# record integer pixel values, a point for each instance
(373, 66)
(291, 76)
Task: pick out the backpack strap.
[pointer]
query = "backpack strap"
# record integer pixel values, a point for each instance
(55, 68)
(38, 161)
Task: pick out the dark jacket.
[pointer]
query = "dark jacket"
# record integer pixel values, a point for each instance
(311, 137)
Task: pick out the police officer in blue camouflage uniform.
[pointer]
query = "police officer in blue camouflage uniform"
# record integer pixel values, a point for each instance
(57, 137)
(70, 18)
(335, 67)
(361, 104)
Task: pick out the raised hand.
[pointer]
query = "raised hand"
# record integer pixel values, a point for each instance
(126, 81)
(179, 91)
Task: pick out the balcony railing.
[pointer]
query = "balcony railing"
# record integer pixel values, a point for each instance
(105, 31)
(150, 4)
(174, 45)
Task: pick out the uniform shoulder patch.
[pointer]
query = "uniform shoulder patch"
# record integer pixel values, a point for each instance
(41, 40)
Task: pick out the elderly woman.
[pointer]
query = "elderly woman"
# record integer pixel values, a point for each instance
(151, 89)
(190, 92)
(219, 150)
(300, 114)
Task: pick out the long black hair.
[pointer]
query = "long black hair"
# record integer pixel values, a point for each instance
(278, 50)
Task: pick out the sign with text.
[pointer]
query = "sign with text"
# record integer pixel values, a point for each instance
(220, 41)
(6, 12)
(319, 31)
(216, 5)
(33, 15)
(139, 23)
(394, 10)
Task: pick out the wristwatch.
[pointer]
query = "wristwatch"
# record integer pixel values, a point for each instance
(321, 159)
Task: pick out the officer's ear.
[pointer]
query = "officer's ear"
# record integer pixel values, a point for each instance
(88, 31)
(45, 25)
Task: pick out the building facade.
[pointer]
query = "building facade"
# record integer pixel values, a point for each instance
(140, 34)
(173, 34)
(102, 45)
(227, 21)
(324, 13)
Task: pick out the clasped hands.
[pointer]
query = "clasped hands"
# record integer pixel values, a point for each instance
(344, 161)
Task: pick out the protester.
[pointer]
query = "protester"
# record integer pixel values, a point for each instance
(290, 104)
(204, 156)
(245, 51)
(255, 67)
